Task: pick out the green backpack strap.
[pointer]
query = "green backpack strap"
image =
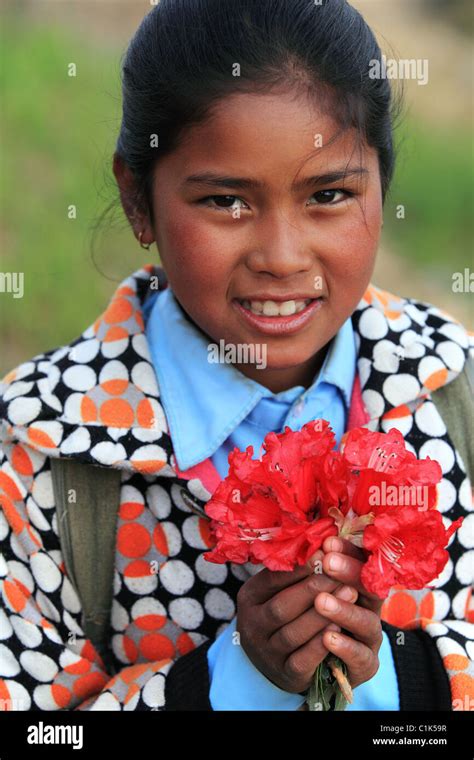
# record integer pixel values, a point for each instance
(87, 499)
(455, 405)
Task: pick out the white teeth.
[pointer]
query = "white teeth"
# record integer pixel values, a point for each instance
(276, 309)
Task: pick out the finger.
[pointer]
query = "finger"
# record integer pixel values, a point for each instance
(301, 630)
(343, 546)
(302, 663)
(266, 583)
(362, 623)
(288, 605)
(346, 570)
(362, 661)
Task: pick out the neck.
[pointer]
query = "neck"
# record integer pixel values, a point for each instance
(277, 380)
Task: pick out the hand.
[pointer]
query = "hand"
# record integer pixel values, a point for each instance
(280, 628)
(360, 653)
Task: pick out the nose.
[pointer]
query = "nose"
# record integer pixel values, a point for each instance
(280, 249)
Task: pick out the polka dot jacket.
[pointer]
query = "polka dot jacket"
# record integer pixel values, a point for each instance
(97, 400)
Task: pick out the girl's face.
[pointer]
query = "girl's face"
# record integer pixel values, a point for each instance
(283, 215)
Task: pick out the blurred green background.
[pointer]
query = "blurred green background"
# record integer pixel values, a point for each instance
(59, 134)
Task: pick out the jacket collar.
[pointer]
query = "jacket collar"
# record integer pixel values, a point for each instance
(97, 399)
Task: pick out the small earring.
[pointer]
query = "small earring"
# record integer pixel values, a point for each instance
(140, 235)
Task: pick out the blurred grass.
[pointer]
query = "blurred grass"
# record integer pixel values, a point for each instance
(58, 139)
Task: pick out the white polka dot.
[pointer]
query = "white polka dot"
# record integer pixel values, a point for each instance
(428, 367)
(210, 572)
(463, 627)
(442, 604)
(145, 584)
(403, 424)
(439, 450)
(21, 573)
(192, 532)
(47, 607)
(153, 693)
(465, 568)
(466, 532)
(140, 346)
(429, 420)
(148, 606)
(106, 701)
(79, 378)
(4, 529)
(372, 324)
(17, 389)
(446, 495)
(219, 605)
(28, 633)
(144, 377)
(112, 348)
(119, 616)
(5, 628)
(436, 629)
(459, 603)
(176, 577)
(186, 612)
(8, 663)
(45, 572)
(198, 490)
(85, 351)
(385, 357)
(44, 699)
(23, 410)
(159, 501)
(78, 441)
(148, 453)
(173, 538)
(374, 403)
(447, 645)
(400, 389)
(452, 355)
(43, 490)
(109, 453)
(455, 333)
(69, 598)
(444, 575)
(465, 495)
(470, 649)
(39, 665)
(113, 370)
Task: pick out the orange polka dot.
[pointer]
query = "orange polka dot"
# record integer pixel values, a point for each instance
(117, 413)
(40, 438)
(21, 461)
(119, 310)
(114, 387)
(399, 610)
(61, 695)
(88, 410)
(436, 379)
(89, 684)
(150, 622)
(129, 510)
(145, 414)
(398, 411)
(205, 531)
(156, 646)
(462, 686)
(4, 696)
(160, 540)
(130, 674)
(184, 643)
(130, 649)
(148, 466)
(133, 540)
(138, 569)
(427, 605)
(115, 333)
(455, 662)
(78, 668)
(9, 486)
(14, 518)
(134, 689)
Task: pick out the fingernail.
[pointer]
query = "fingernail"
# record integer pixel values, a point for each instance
(333, 627)
(330, 604)
(317, 557)
(335, 545)
(336, 562)
(346, 593)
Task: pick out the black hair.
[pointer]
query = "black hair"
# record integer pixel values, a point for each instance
(181, 61)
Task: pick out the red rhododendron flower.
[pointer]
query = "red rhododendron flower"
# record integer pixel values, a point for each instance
(406, 547)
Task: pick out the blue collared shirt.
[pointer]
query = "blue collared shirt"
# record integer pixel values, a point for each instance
(213, 407)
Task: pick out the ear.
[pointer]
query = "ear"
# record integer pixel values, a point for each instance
(137, 217)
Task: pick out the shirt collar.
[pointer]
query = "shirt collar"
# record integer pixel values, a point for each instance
(189, 384)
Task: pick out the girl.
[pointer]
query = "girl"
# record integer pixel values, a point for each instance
(256, 152)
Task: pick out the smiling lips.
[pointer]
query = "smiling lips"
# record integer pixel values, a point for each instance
(278, 316)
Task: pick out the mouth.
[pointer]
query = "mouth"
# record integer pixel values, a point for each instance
(277, 316)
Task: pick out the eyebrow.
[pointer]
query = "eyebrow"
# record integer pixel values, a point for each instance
(248, 183)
